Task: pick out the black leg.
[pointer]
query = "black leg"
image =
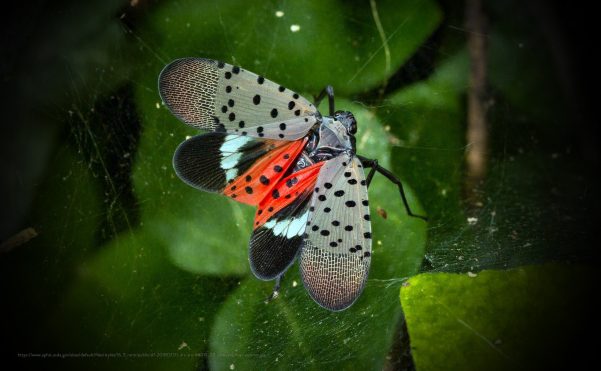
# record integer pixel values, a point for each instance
(329, 91)
(276, 289)
(369, 163)
(373, 164)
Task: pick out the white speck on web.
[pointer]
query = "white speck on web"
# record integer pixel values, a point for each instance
(182, 345)
(158, 105)
(232, 366)
(472, 221)
(294, 28)
(279, 14)
(294, 284)
(188, 137)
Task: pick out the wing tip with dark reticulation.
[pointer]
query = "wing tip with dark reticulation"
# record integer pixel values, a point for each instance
(164, 80)
(320, 280)
(270, 256)
(185, 86)
(167, 72)
(195, 157)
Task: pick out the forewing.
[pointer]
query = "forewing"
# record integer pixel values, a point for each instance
(213, 95)
(241, 167)
(335, 257)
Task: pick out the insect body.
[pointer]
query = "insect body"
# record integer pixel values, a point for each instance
(271, 148)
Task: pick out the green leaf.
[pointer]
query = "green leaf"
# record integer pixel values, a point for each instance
(303, 45)
(525, 318)
(128, 302)
(292, 331)
(426, 120)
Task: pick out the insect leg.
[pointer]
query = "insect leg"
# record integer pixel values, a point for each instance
(367, 163)
(329, 90)
(276, 288)
(373, 164)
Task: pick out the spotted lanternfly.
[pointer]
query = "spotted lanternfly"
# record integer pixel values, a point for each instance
(271, 148)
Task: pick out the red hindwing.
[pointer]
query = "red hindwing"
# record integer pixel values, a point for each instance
(286, 191)
(255, 184)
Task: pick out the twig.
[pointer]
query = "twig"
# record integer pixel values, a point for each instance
(19, 239)
(477, 127)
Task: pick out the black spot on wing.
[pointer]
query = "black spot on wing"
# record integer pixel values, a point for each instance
(271, 255)
(333, 263)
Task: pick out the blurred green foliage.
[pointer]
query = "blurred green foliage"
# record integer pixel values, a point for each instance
(336, 43)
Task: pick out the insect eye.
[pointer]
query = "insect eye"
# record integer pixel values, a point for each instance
(353, 127)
